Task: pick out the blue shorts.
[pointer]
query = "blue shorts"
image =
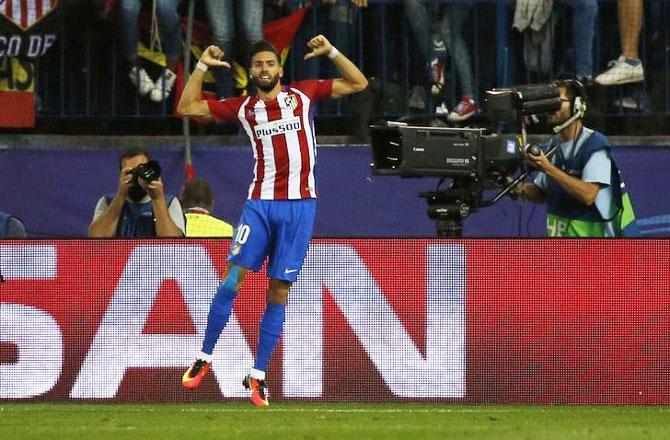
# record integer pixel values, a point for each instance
(278, 229)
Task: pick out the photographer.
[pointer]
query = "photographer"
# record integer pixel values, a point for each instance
(139, 208)
(580, 184)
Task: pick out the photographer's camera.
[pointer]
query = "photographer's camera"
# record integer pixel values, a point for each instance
(149, 171)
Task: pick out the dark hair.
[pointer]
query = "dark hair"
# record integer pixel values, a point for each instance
(132, 152)
(196, 193)
(262, 46)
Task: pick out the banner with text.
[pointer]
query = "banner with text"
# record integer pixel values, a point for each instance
(28, 29)
(470, 321)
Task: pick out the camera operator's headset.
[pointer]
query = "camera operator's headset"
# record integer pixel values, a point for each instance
(577, 104)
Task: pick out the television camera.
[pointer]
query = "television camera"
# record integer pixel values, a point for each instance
(473, 159)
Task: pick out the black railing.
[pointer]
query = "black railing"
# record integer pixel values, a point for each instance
(84, 75)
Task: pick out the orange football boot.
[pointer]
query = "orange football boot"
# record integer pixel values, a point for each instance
(259, 395)
(193, 376)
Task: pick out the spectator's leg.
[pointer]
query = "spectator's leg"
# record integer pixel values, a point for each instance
(170, 32)
(251, 14)
(129, 10)
(628, 67)
(168, 24)
(584, 15)
(341, 19)
(416, 12)
(222, 22)
(460, 55)
(459, 49)
(630, 25)
(418, 18)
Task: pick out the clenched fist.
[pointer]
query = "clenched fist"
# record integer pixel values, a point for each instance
(212, 57)
(319, 45)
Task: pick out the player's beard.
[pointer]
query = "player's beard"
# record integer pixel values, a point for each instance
(266, 86)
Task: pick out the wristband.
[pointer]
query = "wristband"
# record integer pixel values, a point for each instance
(202, 66)
(333, 53)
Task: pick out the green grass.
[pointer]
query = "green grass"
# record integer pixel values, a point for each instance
(330, 421)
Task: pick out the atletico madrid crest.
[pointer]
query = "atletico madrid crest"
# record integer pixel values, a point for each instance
(26, 13)
(291, 102)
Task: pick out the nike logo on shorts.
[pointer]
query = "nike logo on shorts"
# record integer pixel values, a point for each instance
(288, 271)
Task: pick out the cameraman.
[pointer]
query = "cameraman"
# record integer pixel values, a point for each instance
(139, 208)
(580, 184)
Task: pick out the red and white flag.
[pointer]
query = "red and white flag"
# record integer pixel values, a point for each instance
(26, 13)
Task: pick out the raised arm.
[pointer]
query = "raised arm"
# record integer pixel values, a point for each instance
(191, 102)
(352, 81)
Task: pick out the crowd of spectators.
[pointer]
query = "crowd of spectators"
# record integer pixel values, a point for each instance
(449, 67)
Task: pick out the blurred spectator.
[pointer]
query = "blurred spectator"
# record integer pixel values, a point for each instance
(535, 20)
(584, 16)
(139, 208)
(11, 227)
(342, 15)
(222, 20)
(274, 10)
(421, 18)
(460, 57)
(628, 67)
(165, 15)
(446, 33)
(197, 202)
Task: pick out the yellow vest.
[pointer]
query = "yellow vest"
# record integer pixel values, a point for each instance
(205, 225)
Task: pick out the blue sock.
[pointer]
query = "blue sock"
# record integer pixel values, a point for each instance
(632, 61)
(270, 331)
(219, 311)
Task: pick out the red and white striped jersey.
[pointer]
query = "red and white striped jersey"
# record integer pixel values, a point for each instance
(282, 137)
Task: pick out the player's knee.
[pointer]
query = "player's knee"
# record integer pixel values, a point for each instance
(230, 284)
(278, 291)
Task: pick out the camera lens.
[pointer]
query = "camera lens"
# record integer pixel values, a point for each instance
(148, 171)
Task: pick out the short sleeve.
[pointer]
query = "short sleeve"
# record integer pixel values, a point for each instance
(15, 228)
(598, 168)
(316, 89)
(100, 207)
(177, 215)
(225, 109)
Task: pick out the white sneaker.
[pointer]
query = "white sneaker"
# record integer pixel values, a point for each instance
(629, 103)
(620, 72)
(161, 91)
(140, 79)
(442, 109)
